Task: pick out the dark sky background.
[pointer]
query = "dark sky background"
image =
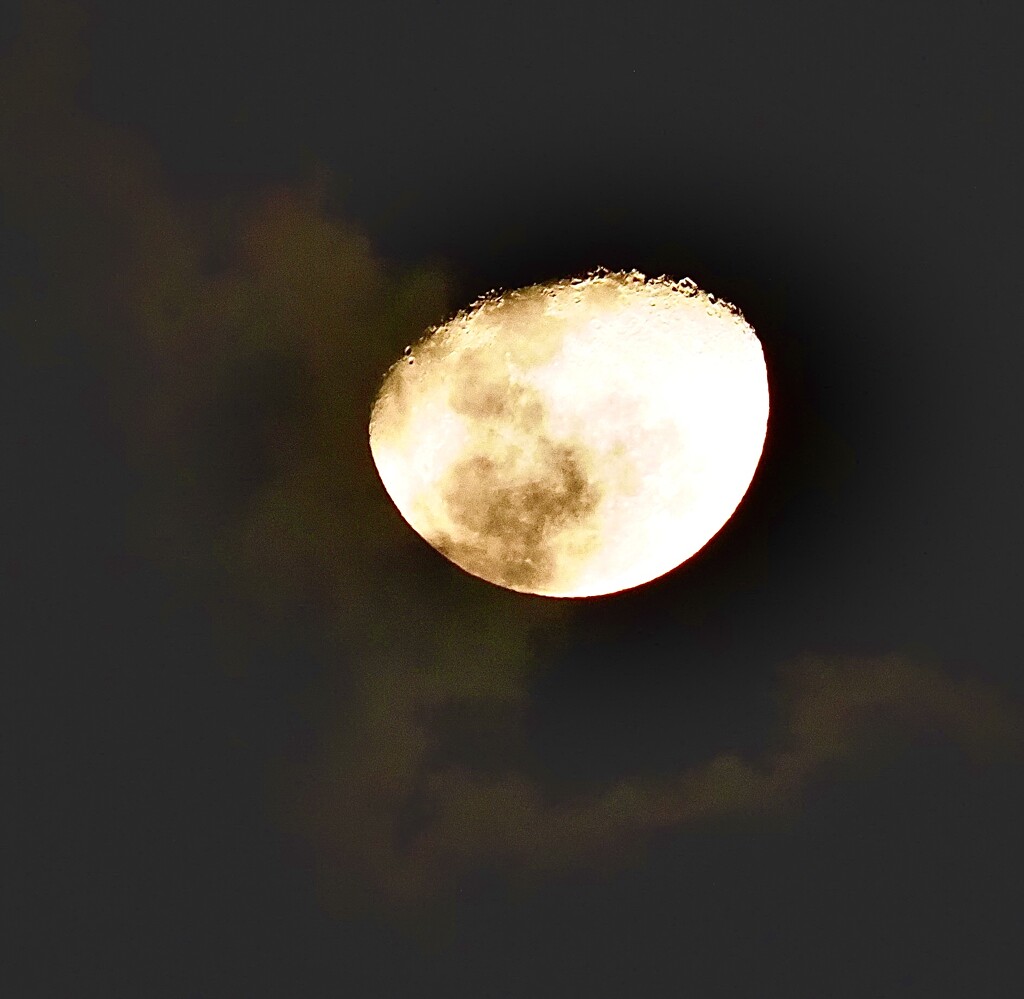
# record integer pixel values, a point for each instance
(261, 740)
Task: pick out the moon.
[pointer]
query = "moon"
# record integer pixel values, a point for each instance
(575, 438)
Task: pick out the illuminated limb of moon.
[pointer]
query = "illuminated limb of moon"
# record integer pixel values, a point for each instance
(575, 438)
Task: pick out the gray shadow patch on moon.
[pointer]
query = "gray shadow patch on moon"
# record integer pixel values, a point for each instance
(516, 491)
(516, 503)
(513, 515)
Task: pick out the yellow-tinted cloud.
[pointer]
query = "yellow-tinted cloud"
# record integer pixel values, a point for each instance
(831, 712)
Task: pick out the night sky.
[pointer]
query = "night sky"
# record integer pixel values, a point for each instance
(261, 740)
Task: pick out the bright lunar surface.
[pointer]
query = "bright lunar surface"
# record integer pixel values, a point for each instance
(575, 438)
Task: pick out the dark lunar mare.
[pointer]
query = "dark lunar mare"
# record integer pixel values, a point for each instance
(512, 523)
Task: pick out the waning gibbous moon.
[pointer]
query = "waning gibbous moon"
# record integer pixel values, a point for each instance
(575, 438)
